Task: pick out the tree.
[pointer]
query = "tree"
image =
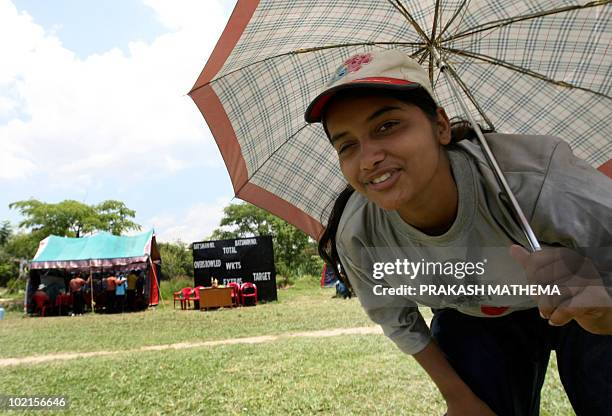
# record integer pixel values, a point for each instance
(9, 268)
(244, 220)
(178, 261)
(74, 219)
(23, 245)
(294, 251)
(13, 248)
(5, 232)
(115, 217)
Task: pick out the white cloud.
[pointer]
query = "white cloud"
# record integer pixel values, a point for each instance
(197, 222)
(93, 117)
(13, 162)
(7, 104)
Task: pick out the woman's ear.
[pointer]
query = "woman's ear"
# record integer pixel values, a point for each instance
(443, 127)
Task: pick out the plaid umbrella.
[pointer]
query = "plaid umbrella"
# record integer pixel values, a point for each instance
(517, 66)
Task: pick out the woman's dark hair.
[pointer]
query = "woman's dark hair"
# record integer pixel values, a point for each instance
(460, 130)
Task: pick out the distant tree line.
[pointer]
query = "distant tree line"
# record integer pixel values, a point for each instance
(65, 219)
(295, 252)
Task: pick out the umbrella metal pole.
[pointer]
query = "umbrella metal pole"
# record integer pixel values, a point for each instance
(516, 208)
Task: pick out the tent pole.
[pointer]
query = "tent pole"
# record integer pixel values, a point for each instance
(25, 300)
(161, 300)
(92, 289)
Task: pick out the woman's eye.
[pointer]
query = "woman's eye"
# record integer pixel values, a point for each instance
(386, 126)
(344, 146)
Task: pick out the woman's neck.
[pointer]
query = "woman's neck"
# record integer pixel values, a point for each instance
(435, 210)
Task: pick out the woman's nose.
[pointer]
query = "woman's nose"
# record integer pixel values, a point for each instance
(371, 154)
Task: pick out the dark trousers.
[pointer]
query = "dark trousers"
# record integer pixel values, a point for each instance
(119, 303)
(131, 299)
(110, 301)
(504, 360)
(77, 302)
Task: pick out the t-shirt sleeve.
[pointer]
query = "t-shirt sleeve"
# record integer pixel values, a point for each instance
(574, 208)
(398, 317)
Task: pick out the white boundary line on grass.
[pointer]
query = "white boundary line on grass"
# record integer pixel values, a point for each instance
(38, 359)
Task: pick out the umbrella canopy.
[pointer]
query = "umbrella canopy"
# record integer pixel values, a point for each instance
(523, 66)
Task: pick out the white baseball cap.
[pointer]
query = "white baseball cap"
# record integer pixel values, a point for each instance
(385, 69)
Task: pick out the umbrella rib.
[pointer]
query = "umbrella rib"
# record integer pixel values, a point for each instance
(306, 50)
(433, 37)
(424, 54)
(404, 12)
(467, 92)
(435, 20)
(525, 71)
(418, 52)
(343, 45)
(504, 22)
(452, 19)
(437, 78)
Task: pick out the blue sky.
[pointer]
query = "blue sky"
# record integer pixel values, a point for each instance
(88, 27)
(93, 106)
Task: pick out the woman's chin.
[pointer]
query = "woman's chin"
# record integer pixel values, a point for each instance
(388, 200)
(387, 205)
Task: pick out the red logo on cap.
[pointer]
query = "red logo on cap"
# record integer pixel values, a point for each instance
(354, 63)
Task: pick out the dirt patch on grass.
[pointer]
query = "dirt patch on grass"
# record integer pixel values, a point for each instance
(38, 359)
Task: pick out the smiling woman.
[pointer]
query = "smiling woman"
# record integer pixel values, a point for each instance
(420, 191)
(389, 148)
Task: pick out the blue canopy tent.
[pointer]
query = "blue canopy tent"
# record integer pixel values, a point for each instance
(58, 256)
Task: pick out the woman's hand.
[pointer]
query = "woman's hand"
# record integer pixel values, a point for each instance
(583, 297)
(460, 399)
(468, 405)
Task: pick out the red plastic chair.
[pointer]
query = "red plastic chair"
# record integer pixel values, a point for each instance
(196, 292)
(186, 297)
(248, 290)
(236, 298)
(195, 295)
(63, 299)
(177, 297)
(42, 303)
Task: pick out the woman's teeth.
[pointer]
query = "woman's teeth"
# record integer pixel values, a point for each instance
(381, 178)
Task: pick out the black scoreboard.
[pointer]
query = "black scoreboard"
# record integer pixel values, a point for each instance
(239, 260)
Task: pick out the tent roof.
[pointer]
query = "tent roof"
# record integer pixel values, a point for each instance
(102, 249)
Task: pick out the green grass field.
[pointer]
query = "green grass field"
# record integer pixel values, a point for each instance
(339, 375)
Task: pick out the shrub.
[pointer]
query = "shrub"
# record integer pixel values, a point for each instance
(168, 287)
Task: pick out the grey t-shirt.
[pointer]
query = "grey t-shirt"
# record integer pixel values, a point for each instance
(567, 202)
